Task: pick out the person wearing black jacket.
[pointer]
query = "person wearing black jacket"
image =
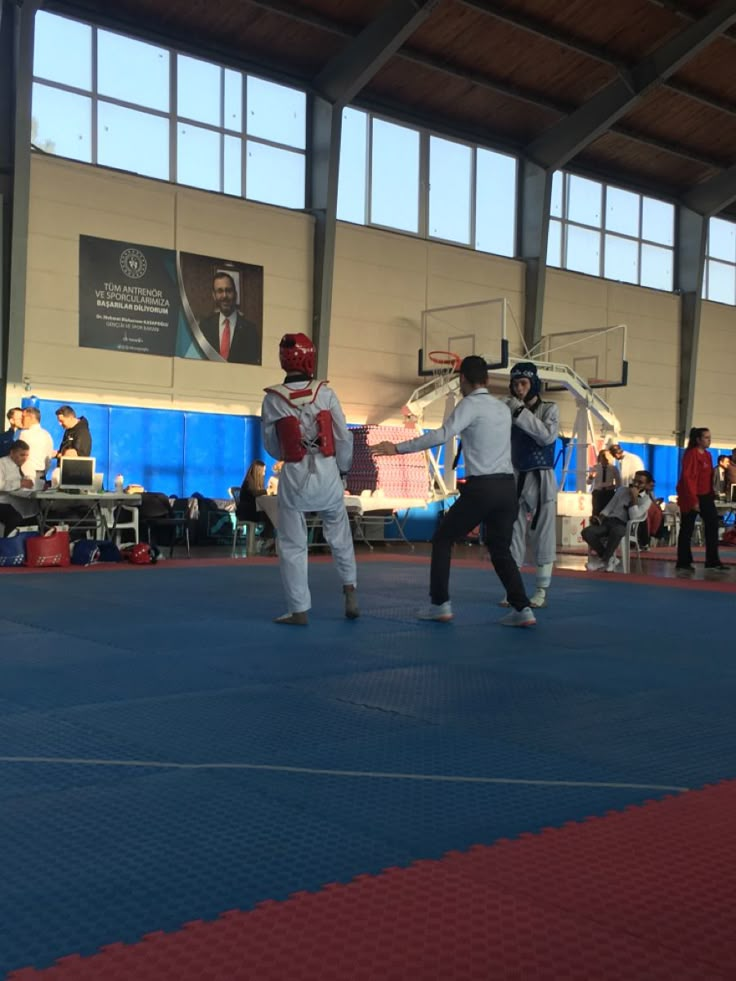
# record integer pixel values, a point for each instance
(76, 433)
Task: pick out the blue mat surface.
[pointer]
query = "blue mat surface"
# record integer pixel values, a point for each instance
(339, 746)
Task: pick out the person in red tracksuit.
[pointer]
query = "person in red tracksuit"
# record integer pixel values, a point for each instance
(696, 497)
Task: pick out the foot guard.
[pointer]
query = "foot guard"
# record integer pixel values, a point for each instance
(352, 610)
(293, 619)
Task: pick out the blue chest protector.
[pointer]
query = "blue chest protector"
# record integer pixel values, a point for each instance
(527, 454)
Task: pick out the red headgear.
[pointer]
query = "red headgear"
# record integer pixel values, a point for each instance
(297, 353)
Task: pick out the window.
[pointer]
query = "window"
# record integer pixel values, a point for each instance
(606, 231)
(62, 122)
(352, 186)
(394, 186)
(495, 202)
(468, 195)
(105, 98)
(450, 189)
(720, 262)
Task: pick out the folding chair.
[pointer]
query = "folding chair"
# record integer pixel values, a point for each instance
(239, 524)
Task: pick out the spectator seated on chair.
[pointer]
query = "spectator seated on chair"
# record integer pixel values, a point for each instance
(250, 490)
(606, 530)
(14, 511)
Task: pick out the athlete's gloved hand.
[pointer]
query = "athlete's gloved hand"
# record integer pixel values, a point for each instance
(516, 405)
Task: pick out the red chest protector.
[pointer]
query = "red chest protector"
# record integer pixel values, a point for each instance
(294, 444)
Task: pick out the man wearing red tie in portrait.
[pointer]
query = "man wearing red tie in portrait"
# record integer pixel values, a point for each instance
(227, 331)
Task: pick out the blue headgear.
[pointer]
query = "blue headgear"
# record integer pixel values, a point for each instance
(525, 369)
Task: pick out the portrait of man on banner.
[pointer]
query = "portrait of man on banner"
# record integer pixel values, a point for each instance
(222, 303)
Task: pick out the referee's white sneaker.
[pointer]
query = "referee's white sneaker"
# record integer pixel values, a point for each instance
(519, 618)
(441, 612)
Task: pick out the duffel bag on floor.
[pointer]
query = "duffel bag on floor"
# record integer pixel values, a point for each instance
(47, 550)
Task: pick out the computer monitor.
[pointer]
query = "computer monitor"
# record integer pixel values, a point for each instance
(732, 488)
(77, 473)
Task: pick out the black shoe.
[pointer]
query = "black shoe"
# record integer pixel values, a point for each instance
(718, 567)
(685, 568)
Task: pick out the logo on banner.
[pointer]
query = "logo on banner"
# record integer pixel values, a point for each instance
(133, 263)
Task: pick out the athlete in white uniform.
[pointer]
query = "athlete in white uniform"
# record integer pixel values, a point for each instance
(303, 424)
(534, 432)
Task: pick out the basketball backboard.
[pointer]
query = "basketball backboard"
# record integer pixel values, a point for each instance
(598, 356)
(461, 330)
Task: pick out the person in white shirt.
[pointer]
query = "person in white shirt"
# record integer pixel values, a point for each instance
(607, 529)
(40, 444)
(303, 424)
(488, 496)
(14, 487)
(629, 464)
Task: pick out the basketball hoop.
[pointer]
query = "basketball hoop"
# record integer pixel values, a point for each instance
(447, 362)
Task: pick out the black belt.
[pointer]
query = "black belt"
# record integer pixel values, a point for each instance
(490, 476)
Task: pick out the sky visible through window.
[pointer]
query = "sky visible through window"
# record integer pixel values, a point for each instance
(103, 98)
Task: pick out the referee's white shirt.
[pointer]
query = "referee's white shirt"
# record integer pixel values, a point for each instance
(484, 425)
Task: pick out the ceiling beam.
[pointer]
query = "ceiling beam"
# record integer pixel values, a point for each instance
(546, 31)
(712, 195)
(566, 139)
(350, 70)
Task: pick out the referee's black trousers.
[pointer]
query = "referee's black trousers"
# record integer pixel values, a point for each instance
(490, 501)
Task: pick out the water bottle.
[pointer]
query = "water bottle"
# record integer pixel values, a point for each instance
(119, 484)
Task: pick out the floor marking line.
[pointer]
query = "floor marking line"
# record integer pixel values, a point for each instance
(315, 771)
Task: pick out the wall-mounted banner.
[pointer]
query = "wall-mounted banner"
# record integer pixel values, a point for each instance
(155, 301)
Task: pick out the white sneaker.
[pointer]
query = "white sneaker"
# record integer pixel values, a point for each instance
(519, 618)
(539, 599)
(613, 564)
(595, 563)
(504, 602)
(442, 612)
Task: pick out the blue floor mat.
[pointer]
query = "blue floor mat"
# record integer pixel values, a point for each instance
(183, 666)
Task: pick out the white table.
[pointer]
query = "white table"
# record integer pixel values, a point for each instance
(101, 506)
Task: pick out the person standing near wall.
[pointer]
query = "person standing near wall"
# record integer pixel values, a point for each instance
(40, 443)
(484, 425)
(303, 424)
(696, 496)
(606, 480)
(76, 440)
(11, 434)
(536, 426)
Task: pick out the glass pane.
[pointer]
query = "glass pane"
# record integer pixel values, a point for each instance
(395, 189)
(351, 192)
(133, 140)
(233, 118)
(583, 250)
(198, 93)
(656, 267)
(62, 51)
(450, 169)
(621, 259)
(197, 157)
(722, 239)
(721, 282)
(132, 71)
(276, 113)
(274, 176)
(556, 204)
(622, 212)
(554, 244)
(233, 166)
(658, 221)
(495, 202)
(61, 123)
(584, 201)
